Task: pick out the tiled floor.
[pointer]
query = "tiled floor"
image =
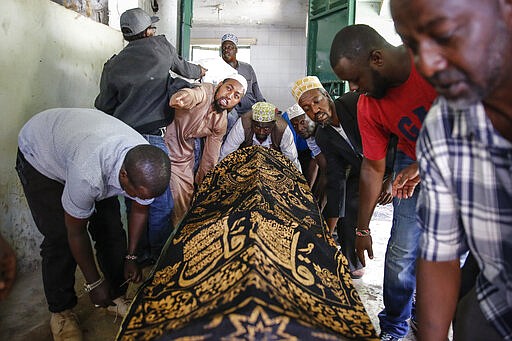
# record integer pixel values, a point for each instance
(24, 315)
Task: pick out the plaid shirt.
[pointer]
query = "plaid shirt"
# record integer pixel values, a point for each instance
(466, 201)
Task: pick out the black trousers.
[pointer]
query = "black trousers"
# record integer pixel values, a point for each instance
(346, 227)
(471, 323)
(58, 265)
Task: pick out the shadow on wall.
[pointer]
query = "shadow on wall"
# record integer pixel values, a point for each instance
(97, 10)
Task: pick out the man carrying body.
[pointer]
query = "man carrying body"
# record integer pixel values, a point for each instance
(465, 50)
(229, 48)
(201, 112)
(135, 87)
(338, 137)
(394, 100)
(73, 163)
(261, 127)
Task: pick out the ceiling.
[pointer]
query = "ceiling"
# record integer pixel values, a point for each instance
(287, 13)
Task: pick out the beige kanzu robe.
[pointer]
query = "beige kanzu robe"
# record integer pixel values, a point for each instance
(198, 120)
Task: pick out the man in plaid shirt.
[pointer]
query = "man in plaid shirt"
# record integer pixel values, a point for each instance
(465, 159)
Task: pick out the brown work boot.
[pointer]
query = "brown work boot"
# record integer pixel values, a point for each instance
(65, 327)
(121, 307)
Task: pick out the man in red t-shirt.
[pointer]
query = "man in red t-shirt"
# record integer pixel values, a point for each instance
(395, 99)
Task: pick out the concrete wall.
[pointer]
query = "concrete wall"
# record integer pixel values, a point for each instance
(168, 24)
(167, 12)
(278, 57)
(380, 19)
(50, 57)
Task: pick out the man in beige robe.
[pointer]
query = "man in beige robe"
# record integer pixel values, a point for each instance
(201, 112)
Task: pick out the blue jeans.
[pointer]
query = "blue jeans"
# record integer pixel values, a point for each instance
(400, 261)
(159, 220)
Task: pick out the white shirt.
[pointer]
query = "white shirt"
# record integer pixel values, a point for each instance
(83, 149)
(311, 142)
(236, 137)
(344, 135)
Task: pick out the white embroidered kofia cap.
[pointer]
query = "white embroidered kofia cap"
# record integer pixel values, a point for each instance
(263, 112)
(304, 84)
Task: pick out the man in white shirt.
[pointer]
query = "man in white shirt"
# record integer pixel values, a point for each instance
(262, 127)
(73, 163)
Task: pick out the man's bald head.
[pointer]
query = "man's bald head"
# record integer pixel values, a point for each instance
(149, 167)
(356, 42)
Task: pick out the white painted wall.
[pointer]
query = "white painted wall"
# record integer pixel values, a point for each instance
(378, 18)
(167, 12)
(50, 57)
(278, 57)
(116, 8)
(168, 24)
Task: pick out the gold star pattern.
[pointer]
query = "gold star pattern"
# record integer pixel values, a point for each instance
(259, 326)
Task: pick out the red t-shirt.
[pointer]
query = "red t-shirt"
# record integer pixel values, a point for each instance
(401, 112)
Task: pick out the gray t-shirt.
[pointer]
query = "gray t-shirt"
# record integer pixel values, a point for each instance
(253, 93)
(82, 148)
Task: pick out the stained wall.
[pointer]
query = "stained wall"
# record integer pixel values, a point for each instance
(50, 57)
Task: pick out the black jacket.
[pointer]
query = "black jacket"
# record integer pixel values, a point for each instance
(136, 86)
(343, 161)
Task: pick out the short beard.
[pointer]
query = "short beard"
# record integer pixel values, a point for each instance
(325, 123)
(261, 138)
(380, 87)
(463, 103)
(216, 105)
(310, 129)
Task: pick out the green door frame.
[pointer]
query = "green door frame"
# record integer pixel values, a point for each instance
(320, 17)
(185, 23)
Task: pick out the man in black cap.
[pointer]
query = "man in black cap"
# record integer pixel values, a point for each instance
(135, 87)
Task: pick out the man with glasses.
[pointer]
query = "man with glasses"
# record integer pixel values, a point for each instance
(135, 87)
(311, 157)
(262, 127)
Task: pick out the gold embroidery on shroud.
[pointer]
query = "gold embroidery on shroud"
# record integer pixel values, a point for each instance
(255, 230)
